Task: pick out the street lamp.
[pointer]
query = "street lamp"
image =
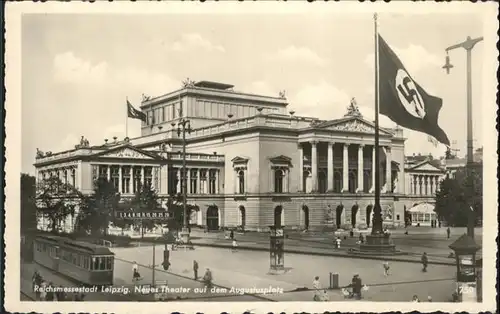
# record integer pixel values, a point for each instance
(465, 249)
(468, 45)
(183, 126)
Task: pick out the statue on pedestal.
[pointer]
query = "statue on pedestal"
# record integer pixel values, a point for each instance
(353, 109)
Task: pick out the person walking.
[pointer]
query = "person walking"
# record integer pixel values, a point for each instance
(317, 289)
(356, 286)
(425, 261)
(50, 296)
(207, 278)
(386, 267)
(448, 231)
(234, 246)
(195, 269)
(136, 276)
(337, 243)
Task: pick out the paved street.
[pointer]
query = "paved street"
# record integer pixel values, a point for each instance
(248, 269)
(423, 239)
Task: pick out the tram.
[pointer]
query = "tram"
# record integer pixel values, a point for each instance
(84, 262)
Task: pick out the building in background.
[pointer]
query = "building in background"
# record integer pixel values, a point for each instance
(251, 162)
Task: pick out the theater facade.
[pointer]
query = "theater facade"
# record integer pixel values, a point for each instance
(252, 162)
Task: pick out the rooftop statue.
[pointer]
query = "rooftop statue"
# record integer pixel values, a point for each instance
(187, 83)
(145, 97)
(282, 94)
(353, 109)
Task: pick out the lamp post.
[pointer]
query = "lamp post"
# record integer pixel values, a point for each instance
(468, 45)
(465, 249)
(183, 126)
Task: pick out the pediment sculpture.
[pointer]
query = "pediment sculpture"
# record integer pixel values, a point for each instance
(127, 152)
(353, 126)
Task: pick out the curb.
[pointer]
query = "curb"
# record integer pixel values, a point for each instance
(331, 254)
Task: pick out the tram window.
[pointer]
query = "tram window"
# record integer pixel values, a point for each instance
(102, 263)
(109, 263)
(74, 258)
(95, 263)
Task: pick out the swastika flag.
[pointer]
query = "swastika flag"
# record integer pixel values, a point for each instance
(402, 100)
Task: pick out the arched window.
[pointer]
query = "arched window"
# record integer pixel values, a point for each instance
(241, 182)
(278, 181)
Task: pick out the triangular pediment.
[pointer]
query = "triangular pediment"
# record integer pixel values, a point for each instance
(239, 160)
(126, 152)
(425, 166)
(281, 159)
(351, 124)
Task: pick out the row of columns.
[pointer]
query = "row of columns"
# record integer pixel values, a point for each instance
(345, 167)
(198, 176)
(67, 175)
(424, 184)
(121, 173)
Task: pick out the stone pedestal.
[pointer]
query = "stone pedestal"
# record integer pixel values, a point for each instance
(184, 235)
(377, 244)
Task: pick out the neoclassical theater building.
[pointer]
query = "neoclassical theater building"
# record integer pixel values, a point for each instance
(253, 163)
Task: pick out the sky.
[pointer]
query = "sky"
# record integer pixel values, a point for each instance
(78, 69)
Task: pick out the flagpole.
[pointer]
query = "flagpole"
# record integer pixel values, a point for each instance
(377, 210)
(126, 118)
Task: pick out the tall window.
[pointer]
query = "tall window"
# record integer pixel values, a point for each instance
(103, 172)
(115, 176)
(193, 181)
(172, 181)
(241, 182)
(279, 175)
(65, 176)
(73, 177)
(137, 179)
(148, 176)
(337, 181)
(212, 182)
(203, 181)
(125, 180)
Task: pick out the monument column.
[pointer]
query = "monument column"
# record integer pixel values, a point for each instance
(314, 166)
(330, 166)
(345, 168)
(360, 168)
(301, 167)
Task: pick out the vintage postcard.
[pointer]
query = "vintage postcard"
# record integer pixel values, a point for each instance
(250, 157)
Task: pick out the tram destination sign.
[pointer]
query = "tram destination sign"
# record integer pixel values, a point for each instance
(143, 215)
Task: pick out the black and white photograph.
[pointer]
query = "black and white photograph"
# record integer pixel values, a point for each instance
(249, 155)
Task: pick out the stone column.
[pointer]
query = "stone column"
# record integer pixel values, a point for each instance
(142, 175)
(153, 185)
(388, 168)
(216, 181)
(437, 183)
(330, 167)
(179, 180)
(131, 182)
(188, 181)
(301, 168)
(420, 185)
(426, 183)
(360, 168)
(108, 173)
(345, 168)
(410, 184)
(314, 165)
(199, 183)
(372, 189)
(120, 169)
(207, 177)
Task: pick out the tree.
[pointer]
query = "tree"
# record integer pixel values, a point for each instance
(98, 209)
(56, 201)
(28, 203)
(457, 194)
(145, 200)
(176, 211)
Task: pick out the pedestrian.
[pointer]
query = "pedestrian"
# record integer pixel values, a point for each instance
(386, 268)
(316, 287)
(337, 243)
(234, 246)
(356, 286)
(195, 269)
(231, 234)
(136, 276)
(361, 239)
(415, 298)
(207, 278)
(49, 296)
(448, 231)
(424, 262)
(43, 291)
